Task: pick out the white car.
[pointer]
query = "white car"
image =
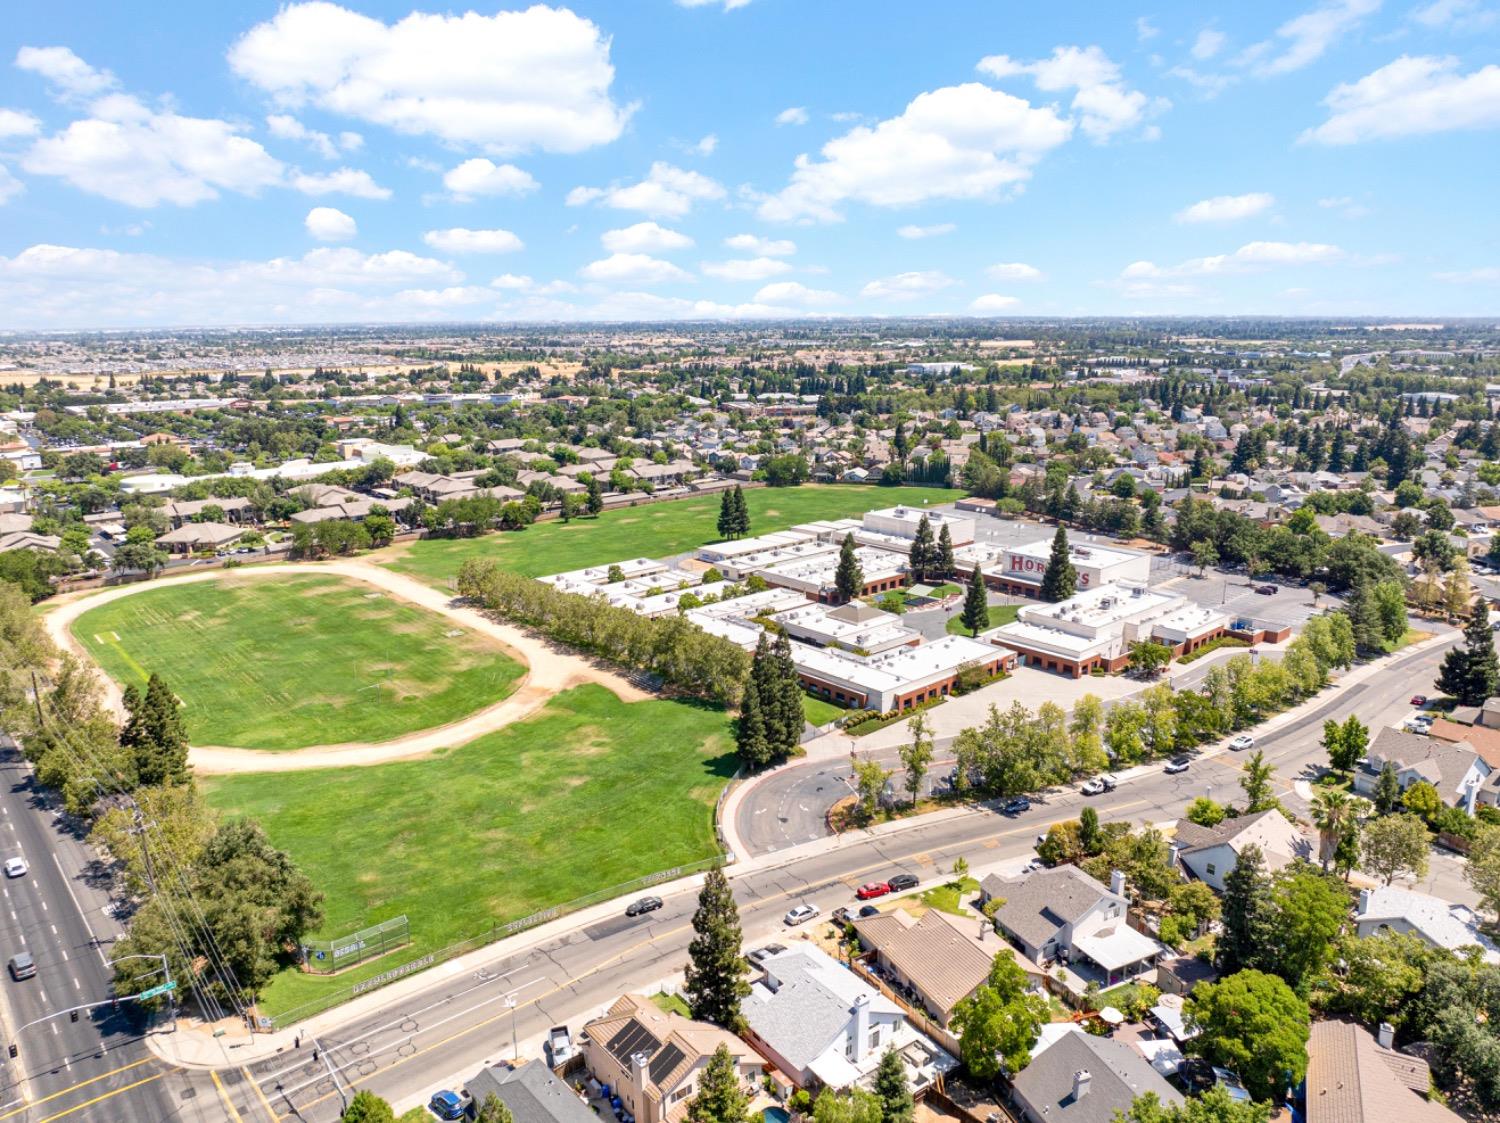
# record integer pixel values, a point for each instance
(1242, 742)
(801, 914)
(16, 867)
(1098, 785)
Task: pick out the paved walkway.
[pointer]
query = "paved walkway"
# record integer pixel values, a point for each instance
(550, 670)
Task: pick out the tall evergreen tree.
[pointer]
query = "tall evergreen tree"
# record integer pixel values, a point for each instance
(976, 614)
(728, 517)
(1248, 918)
(741, 513)
(893, 1090)
(848, 579)
(595, 501)
(751, 742)
(1364, 614)
(1471, 672)
(1060, 581)
(154, 735)
(715, 980)
(788, 694)
(945, 561)
(923, 550)
(720, 1098)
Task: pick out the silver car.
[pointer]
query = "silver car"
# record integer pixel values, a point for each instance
(801, 914)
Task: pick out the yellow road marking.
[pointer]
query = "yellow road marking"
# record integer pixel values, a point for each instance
(80, 1084)
(223, 1095)
(265, 1103)
(101, 1099)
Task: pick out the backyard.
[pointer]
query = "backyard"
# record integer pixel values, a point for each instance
(592, 792)
(653, 530)
(295, 661)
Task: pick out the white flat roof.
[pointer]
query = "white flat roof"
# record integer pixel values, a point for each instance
(820, 567)
(1085, 552)
(1018, 633)
(1100, 607)
(894, 670)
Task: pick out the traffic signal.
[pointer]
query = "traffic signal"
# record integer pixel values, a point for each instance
(72, 1015)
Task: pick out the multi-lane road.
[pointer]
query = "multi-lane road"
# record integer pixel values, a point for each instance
(465, 1016)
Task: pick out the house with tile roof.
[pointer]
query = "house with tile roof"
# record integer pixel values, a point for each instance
(1354, 1078)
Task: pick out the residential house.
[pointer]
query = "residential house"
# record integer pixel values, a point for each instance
(194, 537)
(1063, 914)
(821, 1025)
(654, 1058)
(236, 509)
(1210, 853)
(1081, 1078)
(1353, 1077)
(531, 1092)
(1438, 922)
(1455, 769)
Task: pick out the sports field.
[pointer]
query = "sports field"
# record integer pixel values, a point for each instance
(589, 793)
(296, 661)
(653, 530)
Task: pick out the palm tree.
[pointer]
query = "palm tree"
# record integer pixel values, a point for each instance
(1332, 811)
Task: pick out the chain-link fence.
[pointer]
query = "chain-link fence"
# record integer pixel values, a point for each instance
(324, 957)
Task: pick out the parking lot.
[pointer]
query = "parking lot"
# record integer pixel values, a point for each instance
(1232, 592)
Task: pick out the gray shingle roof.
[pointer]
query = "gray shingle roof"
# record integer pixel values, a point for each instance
(1046, 900)
(1118, 1075)
(532, 1093)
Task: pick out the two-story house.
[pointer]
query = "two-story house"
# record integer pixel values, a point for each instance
(1209, 853)
(1455, 769)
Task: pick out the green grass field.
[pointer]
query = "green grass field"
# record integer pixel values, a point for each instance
(297, 660)
(652, 530)
(999, 614)
(590, 793)
(821, 712)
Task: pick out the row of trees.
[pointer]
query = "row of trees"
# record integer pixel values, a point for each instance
(676, 650)
(930, 558)
(770, 725)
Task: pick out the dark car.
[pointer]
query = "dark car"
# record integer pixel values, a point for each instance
(449, 1105)
(869, 910)
(1199, 1076)
(902, 882)
(1419, 699)
(643, 906)
(1177, 764)
(1266, 590)
(1015, 805)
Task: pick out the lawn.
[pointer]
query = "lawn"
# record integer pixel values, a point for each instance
(653, 530)
(819, 712)
(949, 896)
(999, 614)
(296, 660)
(592, 792)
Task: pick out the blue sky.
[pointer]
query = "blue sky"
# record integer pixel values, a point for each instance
(650, 159)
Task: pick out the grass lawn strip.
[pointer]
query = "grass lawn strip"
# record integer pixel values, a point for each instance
(999, 614)
(819, 712)
(949, 896)
(301, 660)
(590, 793)
(652, 530)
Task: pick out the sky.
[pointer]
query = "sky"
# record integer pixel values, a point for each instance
(184, 164)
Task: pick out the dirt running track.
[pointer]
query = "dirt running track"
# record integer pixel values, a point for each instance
(549, 670)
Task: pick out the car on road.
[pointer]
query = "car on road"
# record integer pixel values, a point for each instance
(868, 910)
(760, 955)
(1177, 764)
(1419, 699)
(872, 889)
(643, 906)
(22, 966)
(16, 867)
(801, 914)
(450, 1105)
(1242, 742)
(1266, 590)
(1015, 805)
(1098, 785)
(902, 882)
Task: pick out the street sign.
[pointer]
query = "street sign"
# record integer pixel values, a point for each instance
(156, 990)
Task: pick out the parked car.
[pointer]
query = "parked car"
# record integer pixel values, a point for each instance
(559, 1045)
(1242, 742)
(643, 906)
(1200, 1076)
(16, 867)
(761, 954)
(801, 914)
(1266, 590)
(450, 1105)
(22, 966)
(902, 882)
(1098, 785)
(1177, 764)
(841, 915)
(868, 910)
(1015, 805)
(872, 889)
(1419, 699)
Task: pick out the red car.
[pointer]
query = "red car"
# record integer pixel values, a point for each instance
(872, 889)
(1419, 699)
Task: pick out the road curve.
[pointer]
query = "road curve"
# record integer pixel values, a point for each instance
(549, 670)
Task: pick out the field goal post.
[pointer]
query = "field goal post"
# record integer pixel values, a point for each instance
(324, 957)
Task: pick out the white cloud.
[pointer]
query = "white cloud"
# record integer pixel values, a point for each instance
(1251, 257)
(1014, 271)
(667, 191)
(795, 294)
(16, 122)
(1412, 96)
(633, 269)
(513, 281)
(1346, 205)
(761, 247)
(1484, 275)
(746, 269)
(329, 225)
(644, 237)
(10, 186)
(1304, 39)
(140, 157)
(1145, 30)
(706, 145)
(1103, 104)
(1455, 15)
(993, 302)
(508, 82)
(65, 72)
(905, 285)
(345, 181)
(958, 142)
(461, 240)
(455, 296)
(1227, 208)
(481, 177)
(794, 115)
(912, 232)
(287, 127)
(1208, 44)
